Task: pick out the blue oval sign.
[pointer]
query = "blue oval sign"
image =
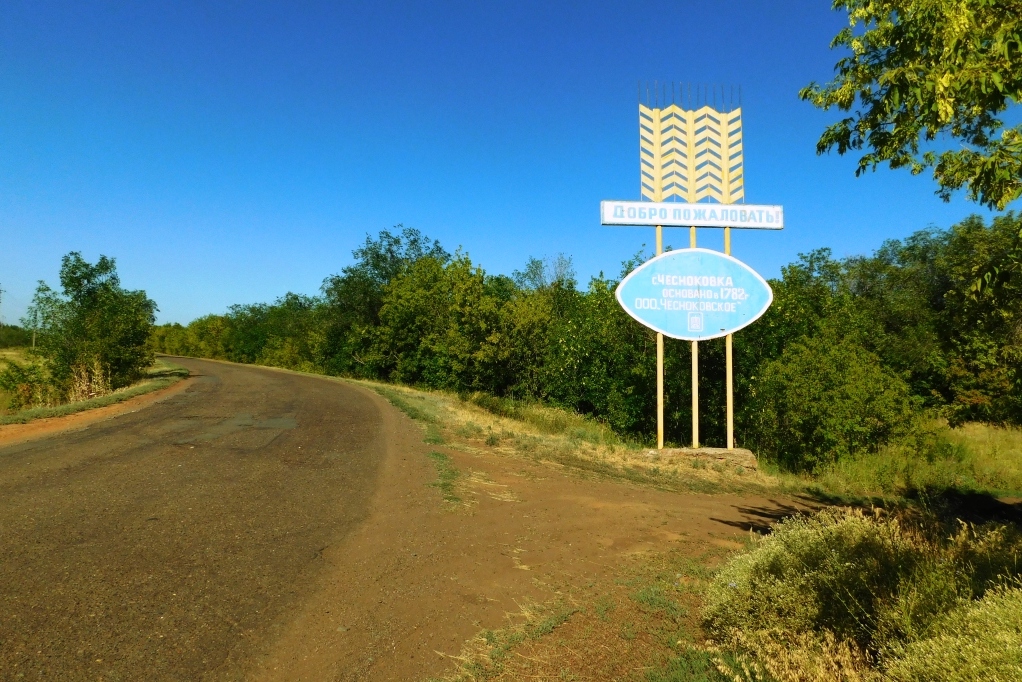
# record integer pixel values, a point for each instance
(695, 294)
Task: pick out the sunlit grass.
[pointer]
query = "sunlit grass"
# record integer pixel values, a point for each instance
(559, 437)
(975, 457)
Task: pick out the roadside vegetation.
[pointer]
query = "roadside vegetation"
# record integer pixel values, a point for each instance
(13, 336)
(857, 358)
(89, 346)
(555, 436)
(912, 583)
(888, 382)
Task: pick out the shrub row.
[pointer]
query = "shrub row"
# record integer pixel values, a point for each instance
(845, 361)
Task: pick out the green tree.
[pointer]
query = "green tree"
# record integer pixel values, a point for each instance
(920, 69)
(354, 298)
(826, 398)
(94, 334)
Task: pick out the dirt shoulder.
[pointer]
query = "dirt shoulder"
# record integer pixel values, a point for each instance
(12, 434)
(408, 592)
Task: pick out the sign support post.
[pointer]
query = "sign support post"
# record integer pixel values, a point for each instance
(659, 361)
(692, 175)
(729, 363)
(658, 195)
(695, 365)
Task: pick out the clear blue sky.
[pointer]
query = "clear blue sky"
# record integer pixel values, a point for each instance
(229, 152)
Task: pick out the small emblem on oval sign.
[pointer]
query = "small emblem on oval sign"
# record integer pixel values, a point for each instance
(695, 294)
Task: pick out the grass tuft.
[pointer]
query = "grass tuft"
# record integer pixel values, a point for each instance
(843, 594)
(447, 477)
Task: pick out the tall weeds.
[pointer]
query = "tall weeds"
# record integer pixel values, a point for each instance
(846, 594)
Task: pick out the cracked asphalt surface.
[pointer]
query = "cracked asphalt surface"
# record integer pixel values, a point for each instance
(171, 543)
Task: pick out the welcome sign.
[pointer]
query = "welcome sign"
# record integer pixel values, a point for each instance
(695, 294)
(674, 214)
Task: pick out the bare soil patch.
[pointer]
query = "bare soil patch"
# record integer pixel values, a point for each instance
(410, 591)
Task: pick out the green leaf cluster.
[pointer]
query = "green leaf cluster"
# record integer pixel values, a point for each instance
(928, 81)
(93, 335)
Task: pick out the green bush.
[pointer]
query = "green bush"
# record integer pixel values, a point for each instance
(12, 336)
(94, 334)
(981, 640)
(825, 399)
(28, 385)
(870, 579)
(834, 368)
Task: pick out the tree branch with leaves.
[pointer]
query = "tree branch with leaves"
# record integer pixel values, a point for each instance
(924, 71)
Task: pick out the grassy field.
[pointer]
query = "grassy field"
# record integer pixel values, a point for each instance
(161, 375)
(974, 458)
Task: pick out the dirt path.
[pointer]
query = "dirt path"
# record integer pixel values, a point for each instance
(413, 583)
(263, 525)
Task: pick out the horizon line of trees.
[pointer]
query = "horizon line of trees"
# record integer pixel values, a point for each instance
(851, 354)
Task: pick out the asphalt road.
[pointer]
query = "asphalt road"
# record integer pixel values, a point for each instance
(171, 543)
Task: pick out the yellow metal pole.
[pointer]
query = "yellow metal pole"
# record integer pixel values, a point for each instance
(695, 394)
(659, 361)
(729, 357)
(730, 392)
(695, 367)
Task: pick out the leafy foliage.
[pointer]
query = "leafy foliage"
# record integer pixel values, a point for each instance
(28, 385)
(842, 363)
(12, 336)
(919, 69)
(826, 399)
(93, 334)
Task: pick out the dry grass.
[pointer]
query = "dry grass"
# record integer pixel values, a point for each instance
(560, 438)
(779, 656)
(161, 375)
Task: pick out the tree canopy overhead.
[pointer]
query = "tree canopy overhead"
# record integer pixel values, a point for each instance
(925, 72)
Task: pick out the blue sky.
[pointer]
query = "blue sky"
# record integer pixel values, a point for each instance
(229, 152)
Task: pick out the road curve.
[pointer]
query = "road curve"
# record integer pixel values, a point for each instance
(171, 543)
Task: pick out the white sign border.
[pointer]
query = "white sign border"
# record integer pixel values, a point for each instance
(627, 309)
